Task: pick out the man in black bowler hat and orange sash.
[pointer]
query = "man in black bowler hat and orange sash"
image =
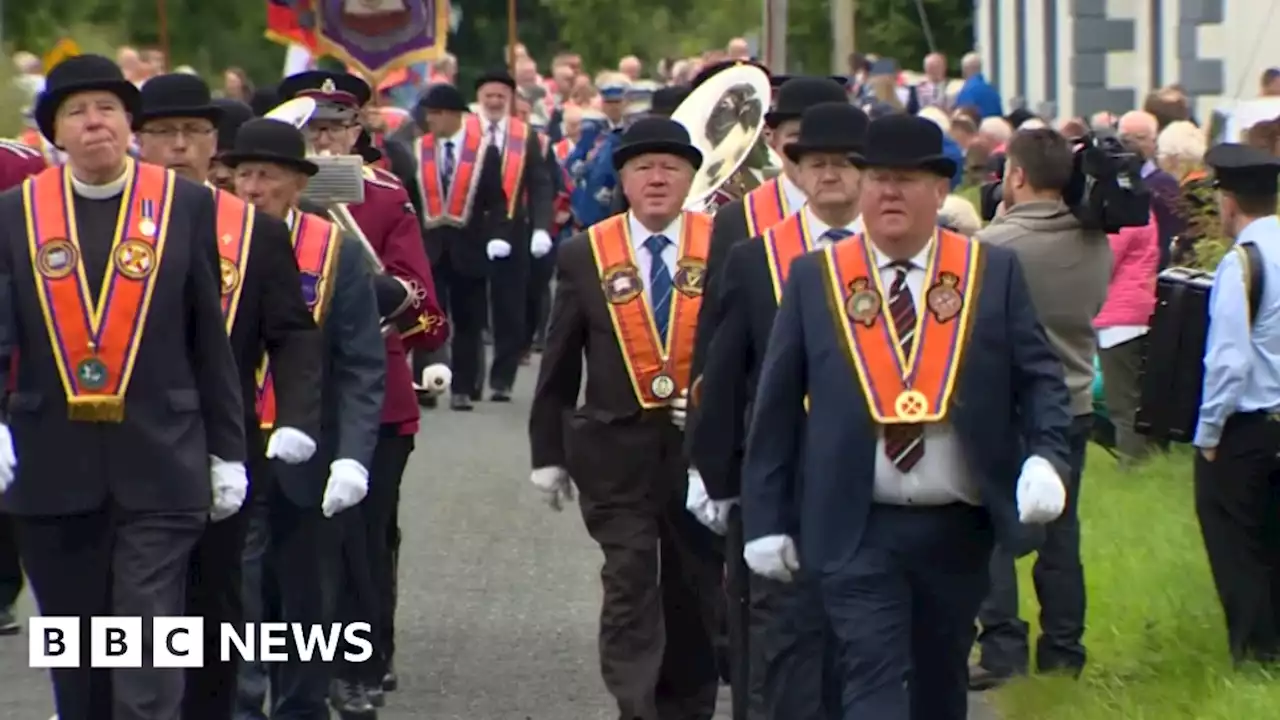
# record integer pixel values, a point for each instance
(627, 300)
(295, 513)
(784, 648)
(263, 307)
(910, 410)
(146, 393)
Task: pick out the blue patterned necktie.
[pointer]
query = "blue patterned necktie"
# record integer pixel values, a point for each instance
(660, 284)
(446, 173)
(834, 235)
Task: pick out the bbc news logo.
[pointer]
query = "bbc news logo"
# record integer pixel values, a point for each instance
(178, 642)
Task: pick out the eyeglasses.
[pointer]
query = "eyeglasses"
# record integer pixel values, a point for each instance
(172, 133)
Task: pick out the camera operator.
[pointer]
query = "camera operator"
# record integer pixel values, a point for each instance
(1067, 269)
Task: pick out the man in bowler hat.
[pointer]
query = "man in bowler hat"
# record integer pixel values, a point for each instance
(626, 304)
(908, 475)
(780, 647)
(264, 310)
(149, 399)
(233, 114)
(295, 513)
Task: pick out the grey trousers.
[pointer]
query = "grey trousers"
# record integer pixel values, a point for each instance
(1121, 369)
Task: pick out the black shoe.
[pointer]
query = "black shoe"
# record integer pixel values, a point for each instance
(377, 696)
(460, 402)
(500, 395)
(9, 624)
(477, 395)
(426, 401)
(981, 679)
(390, 682)
(351, 701)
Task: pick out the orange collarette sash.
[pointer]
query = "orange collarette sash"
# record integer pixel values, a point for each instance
(235, 233)
(95, 339)
(765, 207)
(898, 389)
(513, 162)
(315, 245)
(783, 243)
(455, 209)
(658, 373)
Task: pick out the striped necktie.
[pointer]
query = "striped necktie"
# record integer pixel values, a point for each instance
(446, 172)
(834, 235)
(904, 444)
(660, 284)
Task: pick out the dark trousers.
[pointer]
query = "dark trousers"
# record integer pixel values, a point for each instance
(902, 611)
(1059, 583)
(538, 300)
(370, 546)
(465, 300)
(112, 562)
(1237, 503)
(214, 593)
(291, 570)
(10, 566)
(508, 283)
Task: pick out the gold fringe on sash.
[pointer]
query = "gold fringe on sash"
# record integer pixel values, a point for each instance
(96, 409)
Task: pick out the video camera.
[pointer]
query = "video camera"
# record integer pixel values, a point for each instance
(1106, 191)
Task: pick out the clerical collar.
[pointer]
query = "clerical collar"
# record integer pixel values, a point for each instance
(99, 192)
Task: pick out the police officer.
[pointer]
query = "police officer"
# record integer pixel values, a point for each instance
(1238, 432)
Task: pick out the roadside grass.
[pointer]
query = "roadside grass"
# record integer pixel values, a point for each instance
(1156, 637)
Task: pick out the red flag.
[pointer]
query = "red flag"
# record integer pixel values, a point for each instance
(285, 26)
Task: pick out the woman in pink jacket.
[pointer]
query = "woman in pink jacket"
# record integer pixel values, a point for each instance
(1124, 319)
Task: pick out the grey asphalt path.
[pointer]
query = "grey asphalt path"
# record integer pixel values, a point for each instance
(499, 596)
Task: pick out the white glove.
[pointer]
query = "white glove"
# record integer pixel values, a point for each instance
(555, 484)
(348, 484)
(436, 378)
(1041, 494)
(498, 249)
(8, 458)
(713, 514)
(773, 556)
(290, 446)
(230, 485)
(540, 243)
(680, 409)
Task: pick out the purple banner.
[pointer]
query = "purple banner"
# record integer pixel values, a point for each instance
(378, 36)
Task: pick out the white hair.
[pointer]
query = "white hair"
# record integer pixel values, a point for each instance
(1033, 124)
(1183, 141)
(959, 213)
(996, 128)
(971, 62)
(937, 117)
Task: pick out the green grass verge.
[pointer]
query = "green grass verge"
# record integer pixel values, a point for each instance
(1156, 637)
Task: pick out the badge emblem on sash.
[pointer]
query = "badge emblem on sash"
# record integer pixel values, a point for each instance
(663, 386)
(943, 299)
(691, 275)
(863, 305)
(147, 228)
(57, 259)
(622, 284)
(911, 404)
(92, 374)
(310, 289)
(230, 277)
(135, 259)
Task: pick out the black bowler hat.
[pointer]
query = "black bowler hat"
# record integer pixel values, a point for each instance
(270, 141)
(830, 127)
(654, 134)
(366, 149)
(233, 114)
(83, 73)
(1243, 169)
(665, 100)
(500, 76)
(178, 95)
(264, 100)
(906, 142)
(338, 96)
(801, 93)
(705, 73)
(443, 97)
(777, 81)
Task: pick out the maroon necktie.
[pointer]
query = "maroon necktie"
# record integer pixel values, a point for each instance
(904, 444)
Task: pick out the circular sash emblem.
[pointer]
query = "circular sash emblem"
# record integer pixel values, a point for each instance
(943, 299)
(911, 404)
(663, 386)
(691, 274)
(57, 259)
(147, 228)
(135, 259)
(622, 284)
(230, 276)
(863, 306)
(92, 374)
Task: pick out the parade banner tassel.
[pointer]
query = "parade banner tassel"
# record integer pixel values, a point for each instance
(291, 22)
(377, 37)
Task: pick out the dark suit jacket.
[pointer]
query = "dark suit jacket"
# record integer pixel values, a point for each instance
(401, 163)
(353, 381)
(183, 403)
(273, 318)
(536, 195)
(465, 246)
(1010, 402)
(728, 229)
(1166, 201)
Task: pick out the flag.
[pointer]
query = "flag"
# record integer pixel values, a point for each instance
(290, 22)
(378, 37)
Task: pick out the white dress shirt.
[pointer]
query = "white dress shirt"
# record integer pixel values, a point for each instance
(457, 139)
(644, 260)
(942, 476)
(501, 141)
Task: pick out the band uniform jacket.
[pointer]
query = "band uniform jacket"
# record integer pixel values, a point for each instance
(463, 248)
(354, 368)
(183, 402)
(391, 225)
(271, 317)
(18, 162)
(1009, 402)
